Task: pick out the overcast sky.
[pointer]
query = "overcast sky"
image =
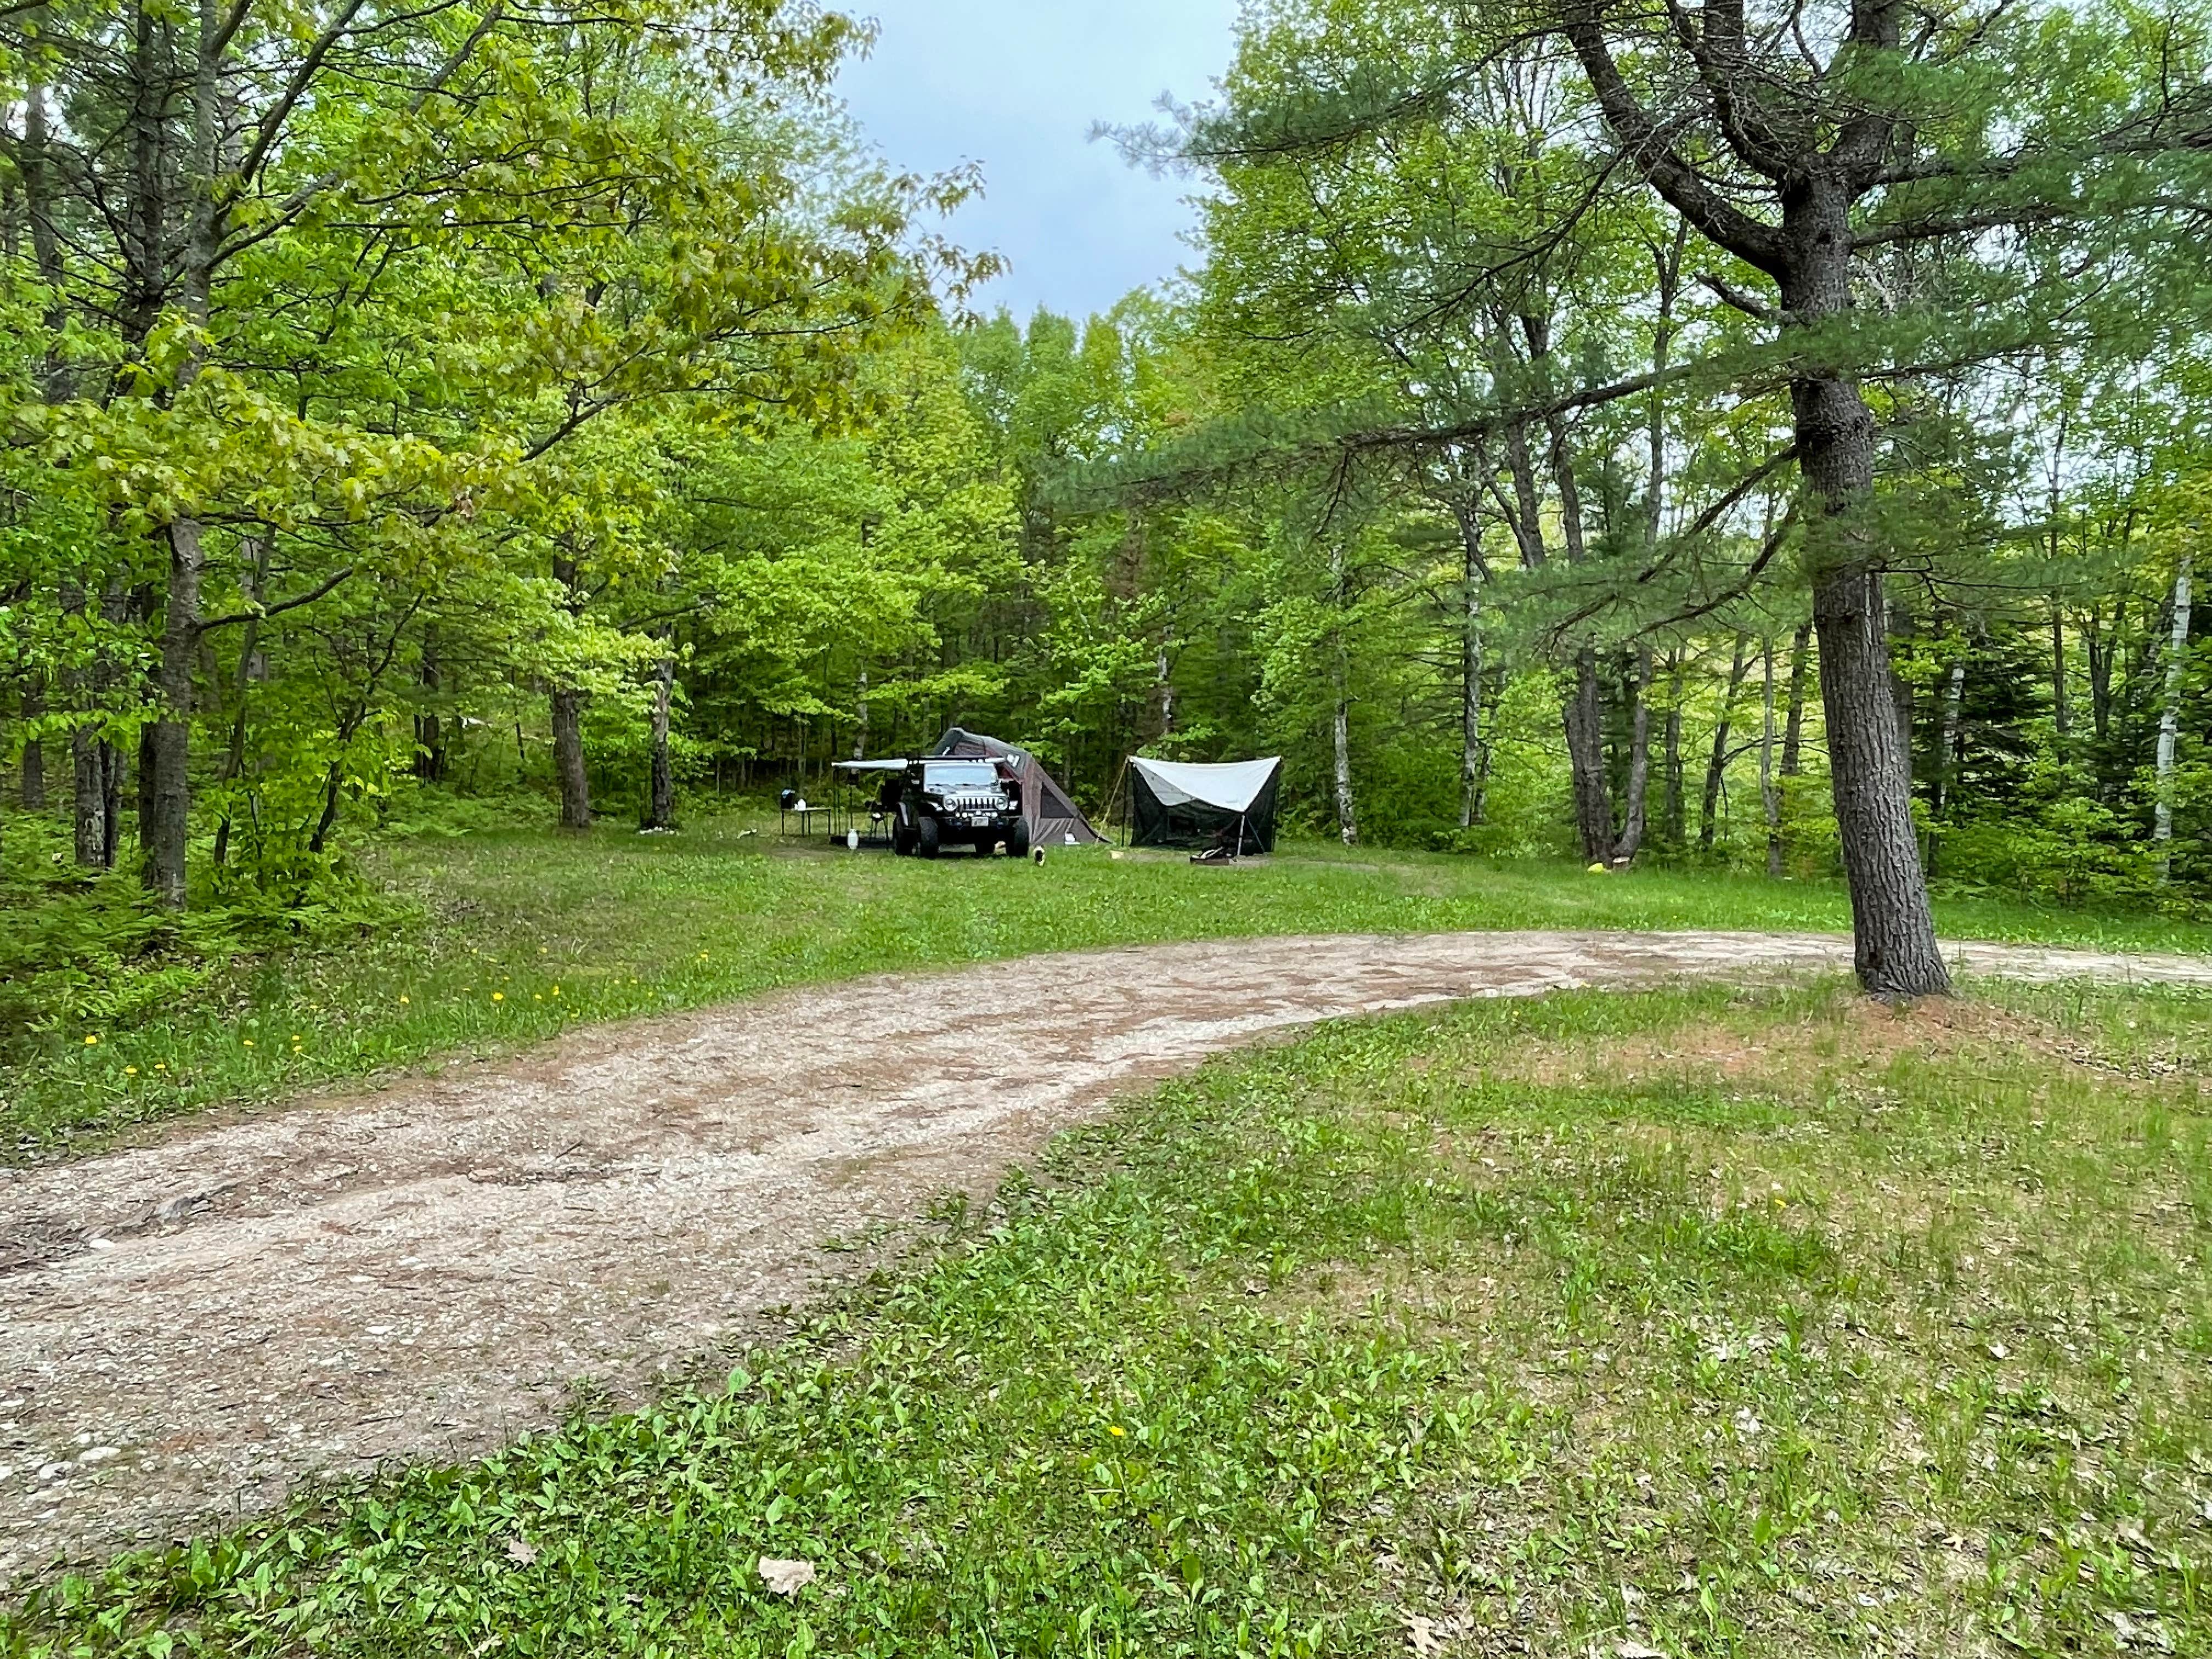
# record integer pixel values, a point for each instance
(1016, 85)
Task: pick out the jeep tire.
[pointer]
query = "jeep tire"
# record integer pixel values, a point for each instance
(929, 837)
(1018, 842)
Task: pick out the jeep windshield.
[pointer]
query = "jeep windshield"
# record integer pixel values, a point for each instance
(963, 774)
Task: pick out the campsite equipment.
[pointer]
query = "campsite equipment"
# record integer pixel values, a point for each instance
(1226, 810)
(1053, 819)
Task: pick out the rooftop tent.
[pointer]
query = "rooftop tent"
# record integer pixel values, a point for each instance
(1054, 819)
(1172, 805)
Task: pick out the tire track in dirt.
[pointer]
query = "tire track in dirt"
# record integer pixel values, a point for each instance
(189, 1328)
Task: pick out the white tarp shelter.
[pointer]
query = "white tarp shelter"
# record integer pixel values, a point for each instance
(1176, 804)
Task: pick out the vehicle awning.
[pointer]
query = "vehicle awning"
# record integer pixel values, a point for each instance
(871, 766)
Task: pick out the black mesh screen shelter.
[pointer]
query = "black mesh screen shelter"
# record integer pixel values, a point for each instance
(1054, 819)
(1228, 808)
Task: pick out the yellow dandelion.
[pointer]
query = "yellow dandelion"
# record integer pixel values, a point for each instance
(557, 990)
(92, 1042)
(402, 1002)
(499, 996)
(249, 1042)
(161, 1065)
(537, 996)
(131, 1071)
(1116, 1431)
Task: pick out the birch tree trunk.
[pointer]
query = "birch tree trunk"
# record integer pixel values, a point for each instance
(1347, 818)
(2169, 724)
(1947, 754)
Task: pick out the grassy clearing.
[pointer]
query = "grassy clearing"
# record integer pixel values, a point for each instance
(522, 934)
(1696, 1324)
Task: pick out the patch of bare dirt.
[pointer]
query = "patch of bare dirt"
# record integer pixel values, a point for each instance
(189, 1328)
(1856, 1032)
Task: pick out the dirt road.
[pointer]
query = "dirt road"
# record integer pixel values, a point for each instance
(188, 1327)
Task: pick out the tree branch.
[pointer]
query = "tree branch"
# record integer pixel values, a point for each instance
(1752, 241)
(263, 612)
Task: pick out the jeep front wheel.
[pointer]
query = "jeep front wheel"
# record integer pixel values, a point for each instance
(928, 838)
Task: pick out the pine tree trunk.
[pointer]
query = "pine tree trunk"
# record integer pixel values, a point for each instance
(1584, 719)
(1716, 763)
(1347, 817)
(1893, 929)
(2169, 724)
(1793, 731)
(2061, 710)
(660, 794)
(1676, 828)
(1470, 705)
(1770, 795)
(2100, 673)
(568, 767)
(1635, 814)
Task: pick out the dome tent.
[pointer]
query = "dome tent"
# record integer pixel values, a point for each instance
(1231, 807)
(1054, 819)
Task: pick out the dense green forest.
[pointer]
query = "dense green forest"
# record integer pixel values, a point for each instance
(1771, 436)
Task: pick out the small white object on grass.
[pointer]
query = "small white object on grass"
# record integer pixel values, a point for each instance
(853, 841)
(786, 1579)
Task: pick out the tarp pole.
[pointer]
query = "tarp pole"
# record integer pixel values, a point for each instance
(1119, 779)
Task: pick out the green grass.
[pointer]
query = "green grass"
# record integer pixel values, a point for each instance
(522, 934)
(1755, 1323)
